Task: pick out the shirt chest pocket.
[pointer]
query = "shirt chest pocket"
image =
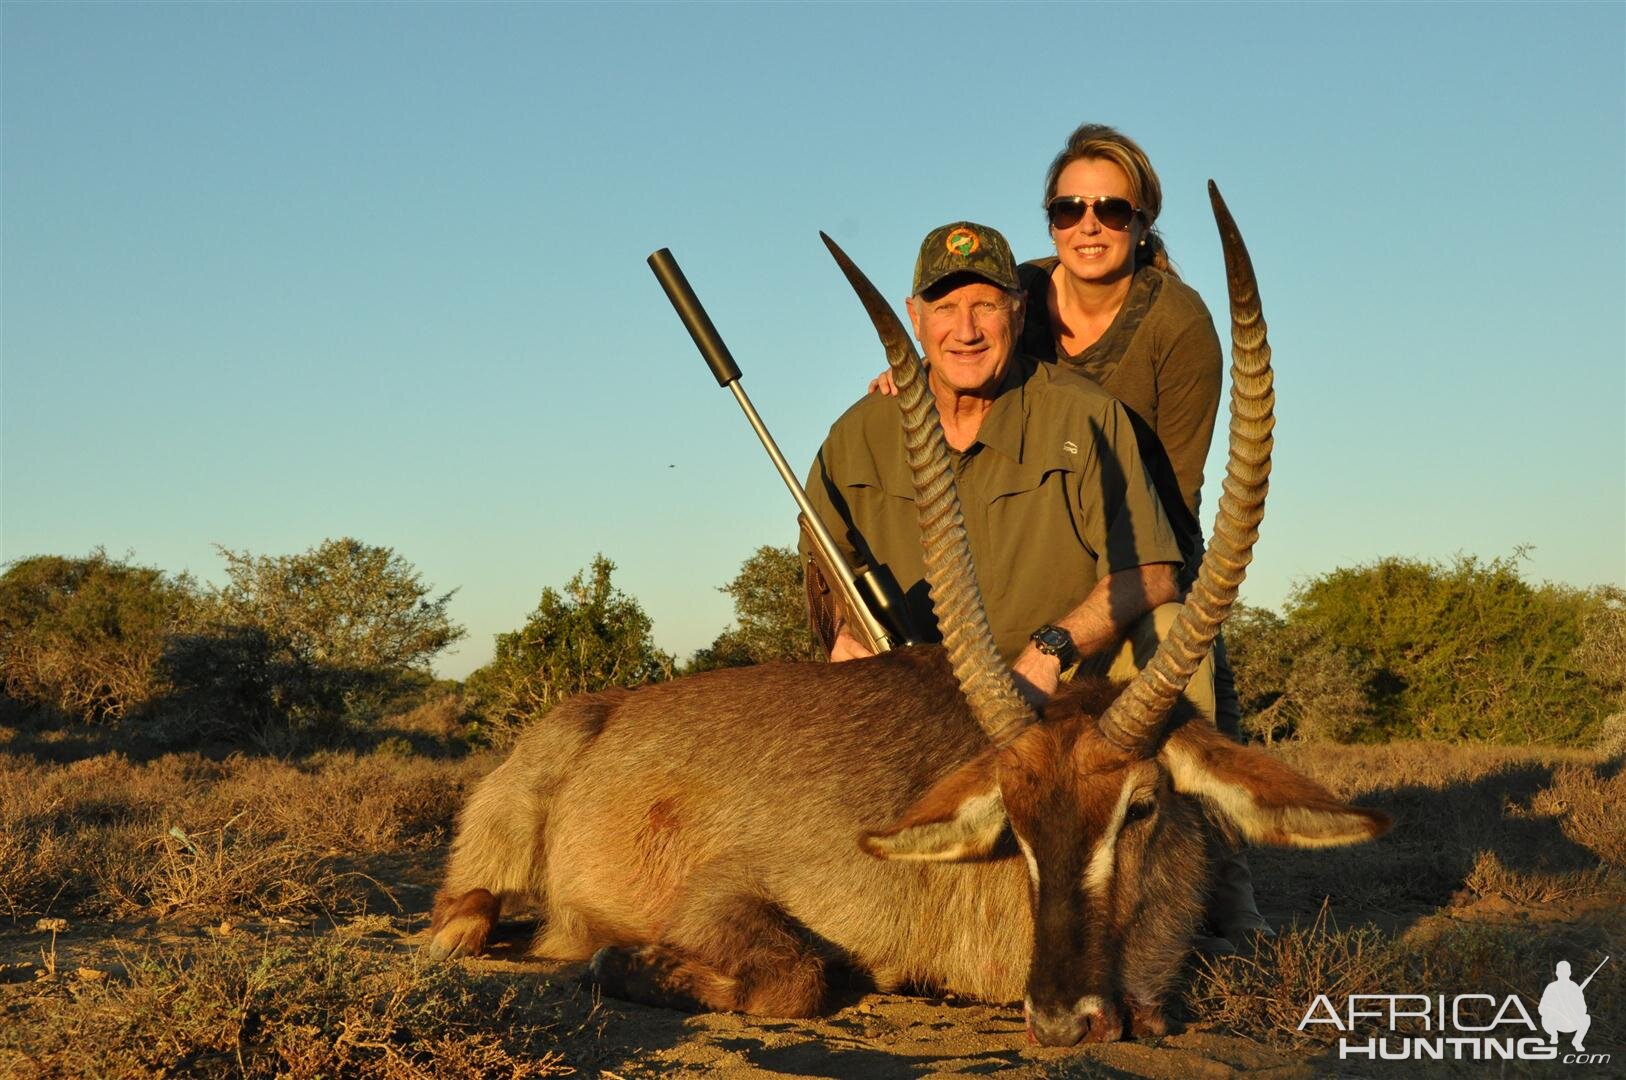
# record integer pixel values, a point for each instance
(882, 504)
(1033, 495)
(1033, 540)
(889, 491)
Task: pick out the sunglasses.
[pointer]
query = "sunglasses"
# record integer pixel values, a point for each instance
(1113, 213)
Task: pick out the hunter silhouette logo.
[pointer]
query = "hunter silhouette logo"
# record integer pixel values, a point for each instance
(1563, 1006)
(963, 242)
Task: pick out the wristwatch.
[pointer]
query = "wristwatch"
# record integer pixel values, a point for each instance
(1054, 641)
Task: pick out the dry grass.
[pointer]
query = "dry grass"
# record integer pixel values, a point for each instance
(445, 717)
(1490, 879)
(105, 836)
(237, 867)
(1588, 803)
(1265, 995)
(329, 1007)
(1502, 861)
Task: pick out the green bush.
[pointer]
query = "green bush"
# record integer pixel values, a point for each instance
(770, 615)
(1602, 652)
(342, 604)
(313, 640)
(589, 637)
(1464, 651)
(83, 637)
(1290, 683)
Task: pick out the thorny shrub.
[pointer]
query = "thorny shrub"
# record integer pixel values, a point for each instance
(313, 640)
(589, 637)
(1465, 651)
(83, 637)
(1290, 683)
(314, 644)
(770, 615)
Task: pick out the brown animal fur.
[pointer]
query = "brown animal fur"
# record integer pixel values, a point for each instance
(698, 836)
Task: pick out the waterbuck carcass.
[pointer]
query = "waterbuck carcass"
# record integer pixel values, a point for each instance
(718, 841)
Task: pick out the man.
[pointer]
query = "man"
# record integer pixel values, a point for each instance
(1072, 548)
(1563, 1008)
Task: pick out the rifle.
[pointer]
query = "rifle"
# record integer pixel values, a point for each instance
(862, 595)
(1594, 972)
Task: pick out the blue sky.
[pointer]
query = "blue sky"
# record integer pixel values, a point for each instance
(279, 272)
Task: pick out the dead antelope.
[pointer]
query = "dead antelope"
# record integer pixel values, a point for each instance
(718, 841)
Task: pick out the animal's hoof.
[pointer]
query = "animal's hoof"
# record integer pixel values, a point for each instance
(458, 938)
(462, 924)
(618, 972)
(608, 963)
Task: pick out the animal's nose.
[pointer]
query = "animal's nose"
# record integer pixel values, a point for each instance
(1058, 1027)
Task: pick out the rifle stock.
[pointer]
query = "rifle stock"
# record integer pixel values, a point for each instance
(877, 592)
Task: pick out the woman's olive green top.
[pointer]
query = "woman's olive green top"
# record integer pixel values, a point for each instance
(1160, 358)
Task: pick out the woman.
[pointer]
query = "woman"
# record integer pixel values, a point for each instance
(1109, 305)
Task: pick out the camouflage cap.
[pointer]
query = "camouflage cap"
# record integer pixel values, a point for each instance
(964, 248)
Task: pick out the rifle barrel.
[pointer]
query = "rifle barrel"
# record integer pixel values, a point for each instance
(727, 373)
(695, 319)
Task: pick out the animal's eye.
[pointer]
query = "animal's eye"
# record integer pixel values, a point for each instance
(1140, 810)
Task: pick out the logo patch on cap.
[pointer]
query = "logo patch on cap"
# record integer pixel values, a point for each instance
(962, 242)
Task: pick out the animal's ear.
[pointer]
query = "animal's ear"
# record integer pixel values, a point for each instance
(960, 817)
(1268, 802)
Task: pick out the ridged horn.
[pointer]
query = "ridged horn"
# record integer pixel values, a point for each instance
(1135, 720)
(984, 679)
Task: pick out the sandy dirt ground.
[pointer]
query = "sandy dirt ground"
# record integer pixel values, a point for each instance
(893, 1037)
(866, 1036)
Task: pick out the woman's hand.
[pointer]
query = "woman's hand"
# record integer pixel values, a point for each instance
(847, 647)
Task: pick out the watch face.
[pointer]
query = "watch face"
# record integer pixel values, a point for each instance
(1052, 639)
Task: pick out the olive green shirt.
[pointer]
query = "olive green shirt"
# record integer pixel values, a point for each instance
(1053, 491)
(1160, 357)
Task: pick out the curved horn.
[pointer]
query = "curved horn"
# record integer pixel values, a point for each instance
(1135, 720)
(984, 679)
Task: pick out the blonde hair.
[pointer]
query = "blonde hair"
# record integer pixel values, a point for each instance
(1099, 142)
